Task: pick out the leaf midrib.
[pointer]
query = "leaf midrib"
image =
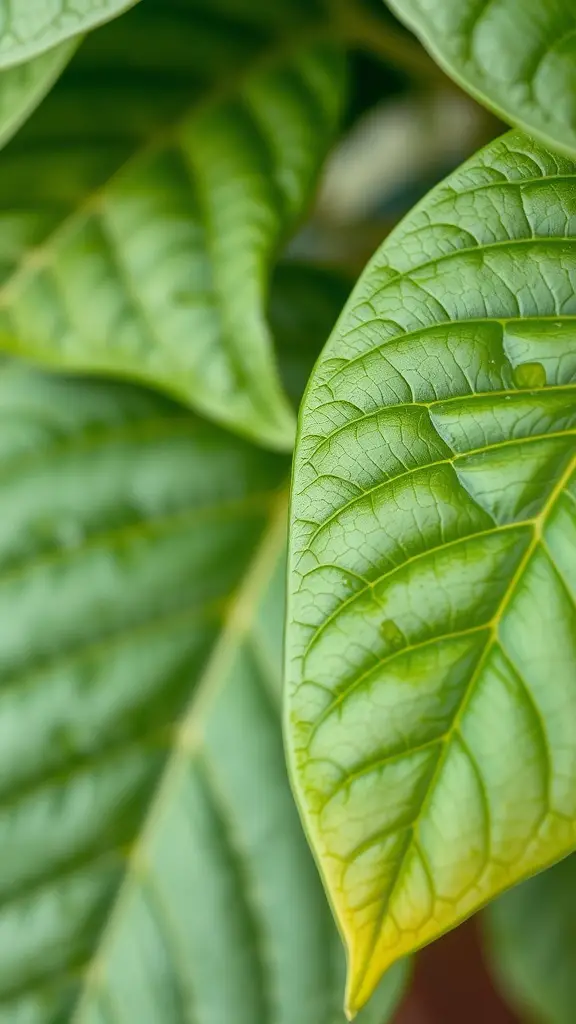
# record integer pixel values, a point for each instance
(469, 690)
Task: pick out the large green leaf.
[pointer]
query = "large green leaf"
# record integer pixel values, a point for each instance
(22, 88)
(29, 27)
(516, 56)
(431, 638)
(531, 943)
(143, 205)
(153, 866)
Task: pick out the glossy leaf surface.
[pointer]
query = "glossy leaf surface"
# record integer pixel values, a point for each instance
(431, 645)
(153, 866)
(144, 246)
(519, 59)
(29, 27)
(531, 944)
(22, 88)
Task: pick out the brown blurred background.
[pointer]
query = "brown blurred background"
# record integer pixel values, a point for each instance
(451, 985)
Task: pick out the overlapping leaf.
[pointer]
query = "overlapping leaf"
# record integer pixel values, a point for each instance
(531, 944)
(431, 638)
(143, 205)
(29, 28)
(517, 58)
(153, 867)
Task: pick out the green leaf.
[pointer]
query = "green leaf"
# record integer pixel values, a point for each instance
(531, 944)
(25, 33)
(144, 247)
(431, 646)
(153, 867)
(22, 88)
(517, 59)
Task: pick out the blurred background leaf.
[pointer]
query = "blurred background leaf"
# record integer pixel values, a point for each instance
(154, 867)
(531, 944)
(145, 201)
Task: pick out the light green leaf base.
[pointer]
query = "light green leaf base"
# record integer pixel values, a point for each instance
(431, 643)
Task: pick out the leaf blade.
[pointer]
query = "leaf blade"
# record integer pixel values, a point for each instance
(146, 250)
(525, 77)
(434, 464)
(177, 528)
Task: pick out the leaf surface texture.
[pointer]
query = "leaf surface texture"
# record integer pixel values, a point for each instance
(431, 644)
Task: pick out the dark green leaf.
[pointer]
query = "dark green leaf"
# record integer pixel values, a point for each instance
(432, 623)
(519, 59)
(531, 943)
(153, 865)
(29, 27)
(143, 205)
(305, 303)
(22, 88)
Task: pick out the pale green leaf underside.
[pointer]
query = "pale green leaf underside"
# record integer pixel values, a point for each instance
(22, 88)
(531, 944)
(29, 27)
(134, 676)
(144, 204)
(518, 57)
(431, 645)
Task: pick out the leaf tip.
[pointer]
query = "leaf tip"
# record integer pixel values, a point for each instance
(365, 972)
(356, 996)
(354, 1002)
